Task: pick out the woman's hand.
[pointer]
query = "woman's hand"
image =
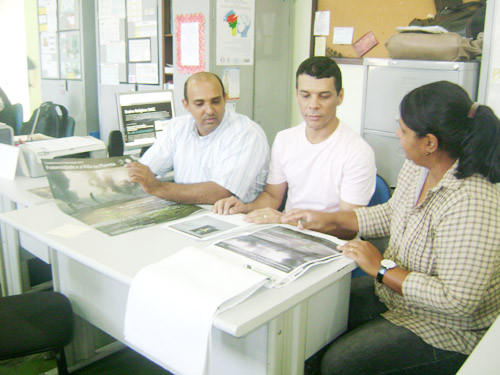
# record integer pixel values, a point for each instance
(309, 219)
(366, 255)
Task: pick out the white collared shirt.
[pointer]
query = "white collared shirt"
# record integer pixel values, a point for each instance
(235, 155)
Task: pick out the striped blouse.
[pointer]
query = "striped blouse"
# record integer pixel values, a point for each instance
(450, 243)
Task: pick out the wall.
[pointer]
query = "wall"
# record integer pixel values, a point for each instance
(489, 85)
(13, 64)
(301, 39)
(33, 53)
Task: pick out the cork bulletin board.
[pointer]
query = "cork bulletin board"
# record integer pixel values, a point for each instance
(379, 16)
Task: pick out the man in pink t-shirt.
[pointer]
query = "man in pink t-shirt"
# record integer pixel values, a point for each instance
(320, 164)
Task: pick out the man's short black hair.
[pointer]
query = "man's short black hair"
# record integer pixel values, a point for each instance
(320, 67)
(206, 74)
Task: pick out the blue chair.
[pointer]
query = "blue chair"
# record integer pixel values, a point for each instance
(382, 192)
(381, 195)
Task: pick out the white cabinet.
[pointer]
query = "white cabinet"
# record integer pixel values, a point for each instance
(387, 82)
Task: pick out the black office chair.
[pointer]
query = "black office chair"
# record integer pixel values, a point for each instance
(36, 322)
(115, 143)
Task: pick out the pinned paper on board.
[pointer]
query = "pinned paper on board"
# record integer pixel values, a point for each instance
(365, 43)
(343, 35)
(235, 29)
(231, 82)
(190, 43)
(322, 23)
(320, 46)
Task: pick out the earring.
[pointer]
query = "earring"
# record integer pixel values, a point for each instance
(427, 153)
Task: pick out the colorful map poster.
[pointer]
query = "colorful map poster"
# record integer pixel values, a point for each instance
(235, 32)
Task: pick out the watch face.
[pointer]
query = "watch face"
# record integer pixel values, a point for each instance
(387, 263)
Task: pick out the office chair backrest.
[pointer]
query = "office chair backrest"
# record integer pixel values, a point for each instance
(382, 192)
(34, 323)
(70, 127)
(115, 143)
(12, 115)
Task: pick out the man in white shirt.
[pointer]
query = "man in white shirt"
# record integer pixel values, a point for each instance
(214, 153)
(320, 164)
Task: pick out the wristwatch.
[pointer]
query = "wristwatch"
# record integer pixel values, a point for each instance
(385, 264)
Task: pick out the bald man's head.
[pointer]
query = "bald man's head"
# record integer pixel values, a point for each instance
(200, 77)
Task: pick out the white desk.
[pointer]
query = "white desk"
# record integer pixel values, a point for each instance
(14, 195)
(272, 332)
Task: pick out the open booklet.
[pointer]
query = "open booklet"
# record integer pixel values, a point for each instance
(281, 252)
(99, 193)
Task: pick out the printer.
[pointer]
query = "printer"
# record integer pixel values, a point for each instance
(32, 153)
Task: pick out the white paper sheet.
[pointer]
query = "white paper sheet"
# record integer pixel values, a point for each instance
(172, 303)
(322, 23)
(209, 226)
(319, 45)
(190, 46)
(343, 35)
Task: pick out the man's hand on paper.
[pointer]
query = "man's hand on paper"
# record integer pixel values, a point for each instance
(229, 206)
(264, 216)
(142, 175)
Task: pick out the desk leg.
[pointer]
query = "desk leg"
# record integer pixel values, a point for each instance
(82, 346)
(11, 256)
(286, 342)
(83, 349)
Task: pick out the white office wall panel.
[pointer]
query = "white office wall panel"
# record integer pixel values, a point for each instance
(353, 82)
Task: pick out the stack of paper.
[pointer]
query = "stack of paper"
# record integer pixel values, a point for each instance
(172, 303)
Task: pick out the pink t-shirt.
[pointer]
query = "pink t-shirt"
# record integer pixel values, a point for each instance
(320, 175)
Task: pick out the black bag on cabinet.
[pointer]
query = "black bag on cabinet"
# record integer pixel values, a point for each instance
(465, 19)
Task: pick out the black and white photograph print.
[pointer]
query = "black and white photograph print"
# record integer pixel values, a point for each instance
(203, 226)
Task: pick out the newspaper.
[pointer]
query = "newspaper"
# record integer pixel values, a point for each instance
(281, 252)
(99, 193)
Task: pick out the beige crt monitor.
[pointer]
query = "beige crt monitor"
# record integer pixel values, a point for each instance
(143, 115)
